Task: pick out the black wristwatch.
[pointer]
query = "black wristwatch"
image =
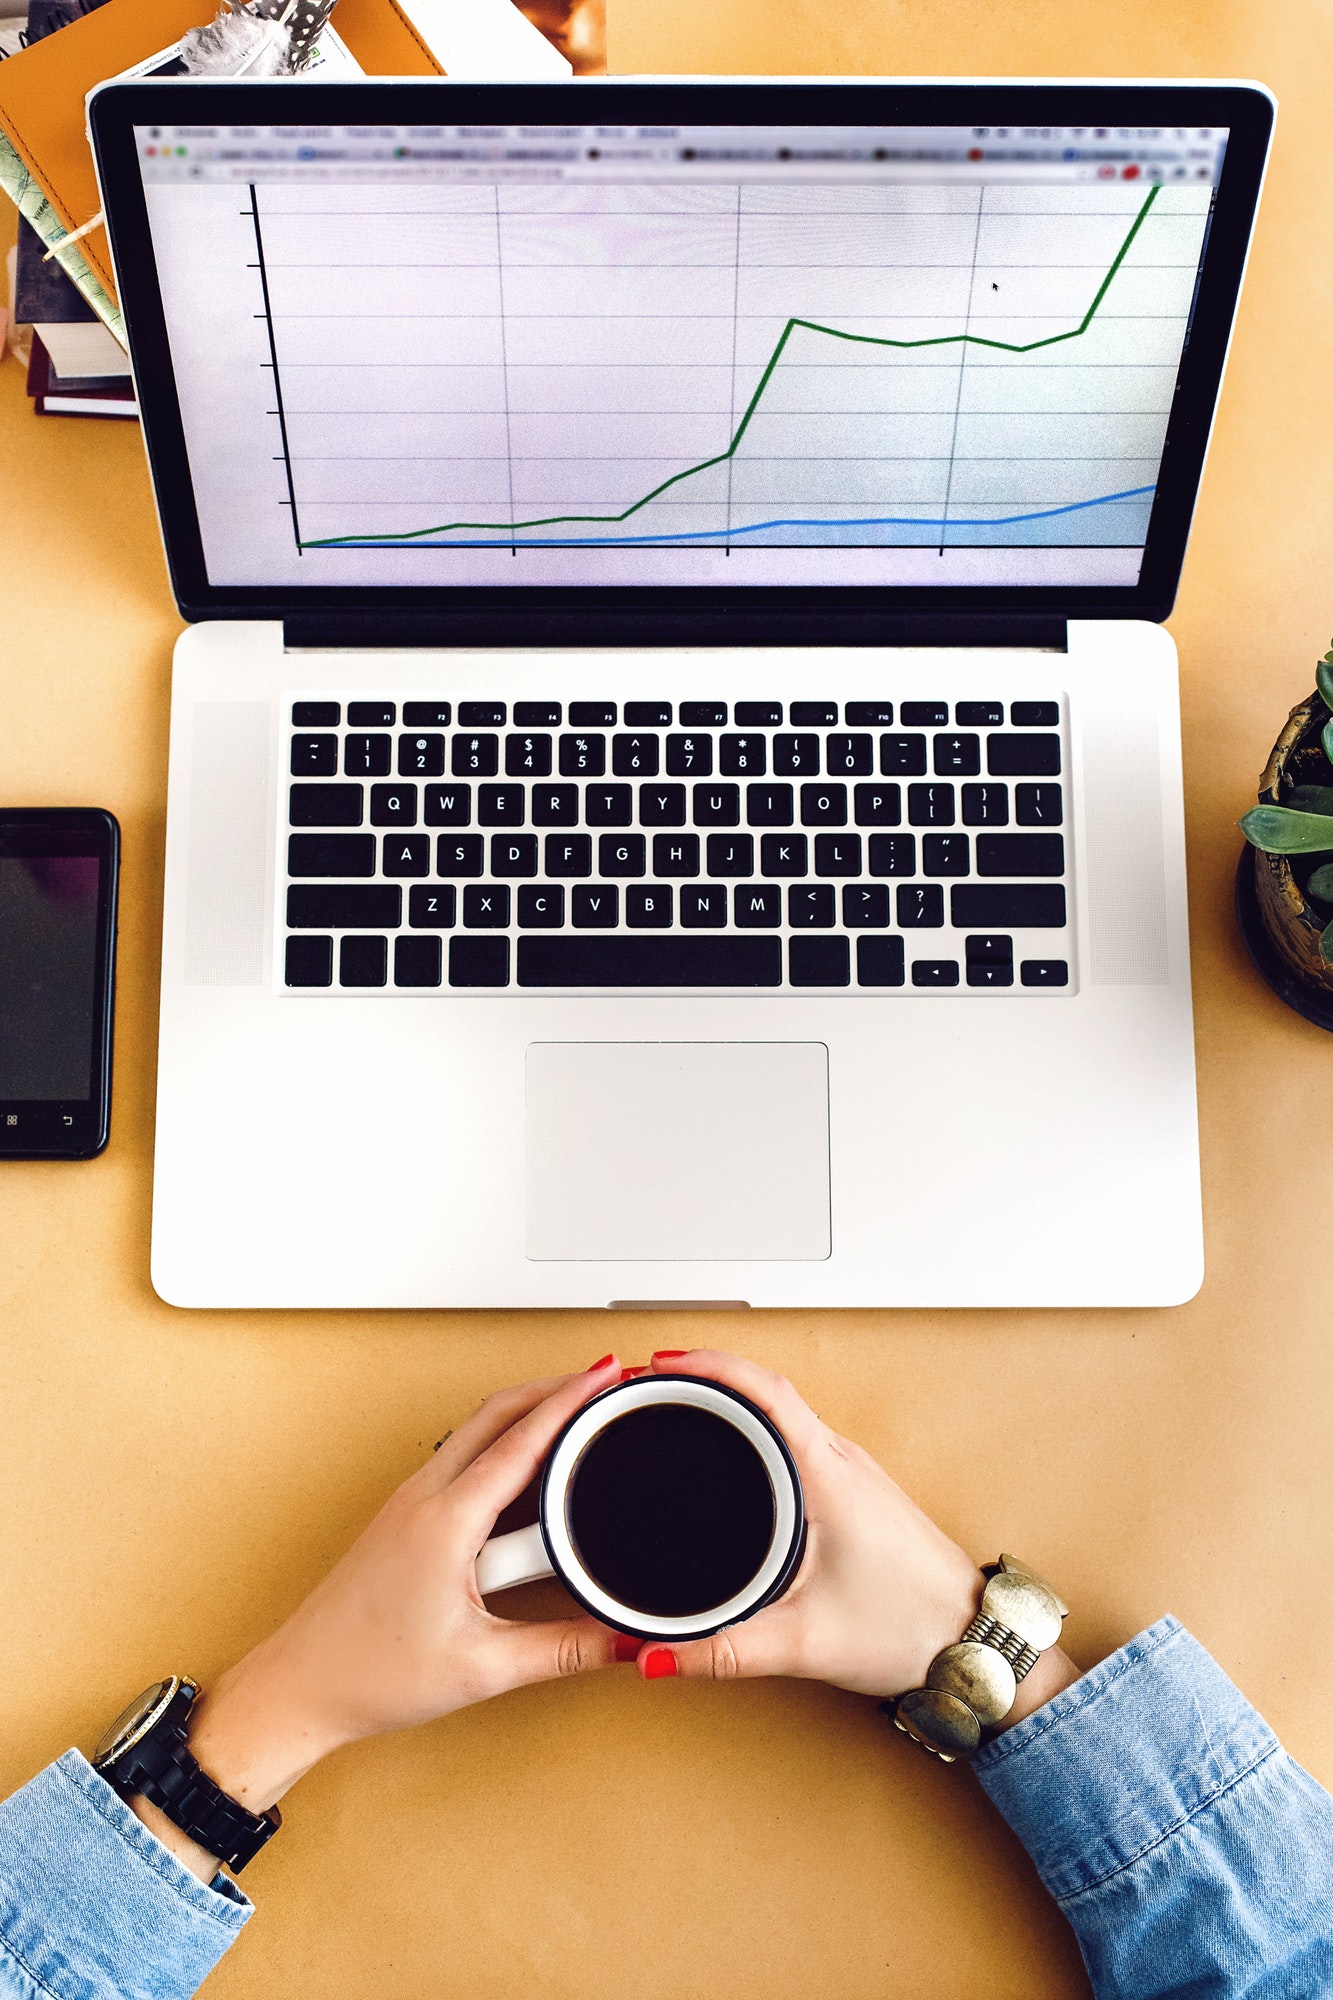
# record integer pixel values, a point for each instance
(145, 1751)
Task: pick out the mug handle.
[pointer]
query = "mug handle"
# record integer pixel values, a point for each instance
(508, 1560)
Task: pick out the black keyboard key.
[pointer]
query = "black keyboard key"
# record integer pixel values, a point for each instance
(316, 715)
(592, 715)
(730, 854)
(1020, 854)
(902, 756)
(371, 714)
(475, 756)
(416, 961)
(717, 805)
(309, 960)
(930, 805)
(865, 906)
(555, 805)
(393, 805)
(957, 756)
(868, 714)
(582, 756)
(703, 715)
(934, 972)
(784, 854)
(849, 756)
(703, 906)
(689, 756)
(460, 854)
(920, 906)
(648, 906)
(990, 961)
(742, 756)
(634, 756)
(979, 714)
(1023, 756)
(811, 906)
(1039, 805)
(568, 855)
(985, 805)
(819, 961)
(608, 805)
(924, 714)
(363, 961)
(661, 805)
(406, 854)
(701, 959)
(448, 805)
(541, 907)
(501, 805)
(482, 714)
(814, 715)
(527, 756)
(621, 854)
(344, 907)
(478, 961)
(823, 805)
(485, 906)
(536, 715)
(513, 854)
(769, 805)
(879, 961)
(367, 756)
(595, 906)
(945, 854)
(314, 756)
(1008, 906)
(837, 854)
(758, 715)
(1035, 714)
(331, 854)
(675, 854)
(427, 714)
(756, 906)
(432, 907)
(647, 715)
(796, 756)
(878, 805)
(420, 756)
(893, 854)
(1044, 972)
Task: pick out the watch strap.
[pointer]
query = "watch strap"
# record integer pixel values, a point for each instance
(161, 1768)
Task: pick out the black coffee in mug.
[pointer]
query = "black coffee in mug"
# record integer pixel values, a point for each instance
(671, 1510)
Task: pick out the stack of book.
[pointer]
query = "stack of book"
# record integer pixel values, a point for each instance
(76, 369)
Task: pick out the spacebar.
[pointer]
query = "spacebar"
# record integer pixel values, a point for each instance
(649, 961)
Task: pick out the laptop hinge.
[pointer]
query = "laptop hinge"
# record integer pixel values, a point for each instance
(586, 625)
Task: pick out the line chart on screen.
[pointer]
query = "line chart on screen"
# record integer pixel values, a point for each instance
(915, 365)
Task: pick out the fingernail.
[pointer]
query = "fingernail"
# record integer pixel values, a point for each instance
(628, 1374)
(627, 1647)
(660, 1664)
(605, 1360)
(669, 1353)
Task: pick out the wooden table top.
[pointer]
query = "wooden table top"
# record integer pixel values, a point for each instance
(170, 1482)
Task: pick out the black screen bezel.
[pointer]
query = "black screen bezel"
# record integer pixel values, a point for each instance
(42, 1130)
(644, 615)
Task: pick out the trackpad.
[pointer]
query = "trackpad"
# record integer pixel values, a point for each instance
(677, 1151)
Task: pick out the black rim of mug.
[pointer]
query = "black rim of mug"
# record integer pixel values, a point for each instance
(782, 1582)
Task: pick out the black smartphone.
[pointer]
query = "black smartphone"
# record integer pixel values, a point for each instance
(59, 872)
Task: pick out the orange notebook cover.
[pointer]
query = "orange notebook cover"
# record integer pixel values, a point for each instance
(42, 89)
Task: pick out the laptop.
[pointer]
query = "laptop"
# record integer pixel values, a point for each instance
(675, 788)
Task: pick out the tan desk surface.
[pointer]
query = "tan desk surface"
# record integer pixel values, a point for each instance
(170, 1482)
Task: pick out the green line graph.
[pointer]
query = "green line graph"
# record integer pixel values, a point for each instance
(503, 530)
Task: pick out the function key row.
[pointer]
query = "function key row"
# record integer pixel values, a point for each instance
(659, 714)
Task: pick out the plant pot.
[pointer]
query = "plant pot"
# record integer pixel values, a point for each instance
(1280, 927)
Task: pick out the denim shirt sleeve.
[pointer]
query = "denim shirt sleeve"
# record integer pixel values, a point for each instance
(93, 1906)
(1190, 1853)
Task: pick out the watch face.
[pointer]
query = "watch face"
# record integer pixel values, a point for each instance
(130, 1725)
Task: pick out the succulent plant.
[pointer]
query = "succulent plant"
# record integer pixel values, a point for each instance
(1304, 828)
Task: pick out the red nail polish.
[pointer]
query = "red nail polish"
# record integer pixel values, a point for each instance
(601, 1364)
(670, 1353)
(627, 1648)
(628, 1374)
(659, 1665)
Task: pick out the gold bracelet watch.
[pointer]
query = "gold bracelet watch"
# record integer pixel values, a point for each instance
(973, 1685)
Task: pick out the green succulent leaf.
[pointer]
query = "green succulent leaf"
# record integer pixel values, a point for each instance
(1311, 798)
(1324, 678)
(1320, 884)
(1278, 830)
(1326, 944)
(1327, 740)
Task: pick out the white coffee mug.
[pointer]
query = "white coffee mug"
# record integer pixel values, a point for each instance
(548, 1547)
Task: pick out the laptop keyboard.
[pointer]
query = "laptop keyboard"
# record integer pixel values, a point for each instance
(856, 846)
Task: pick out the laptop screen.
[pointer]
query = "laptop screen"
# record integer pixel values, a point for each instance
(628, 352)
